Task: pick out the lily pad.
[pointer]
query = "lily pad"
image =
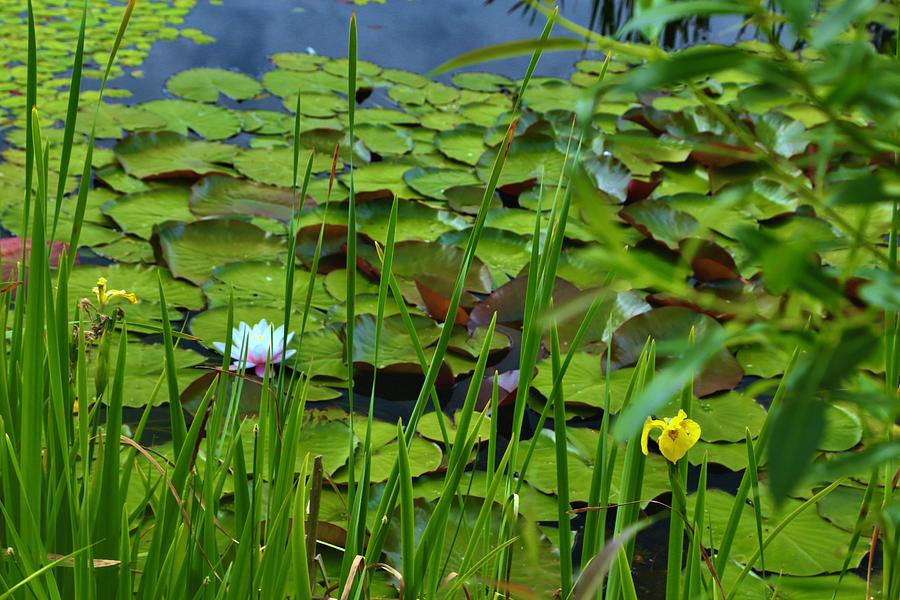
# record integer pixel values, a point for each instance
(217, 196)
(194, 250)
(262, 284)
(424, 455)
(726, 418)
(275, 166)
(482, 82)
(166, 154)
(530, 157)
(136, 214)
(205, 85)
(542, 471)
(140, 280)
(385, 140)
(146, 364)
(208, 121)
(395, 348)
(671, 326)
(431, 181)
(809, 545)
(464, 144)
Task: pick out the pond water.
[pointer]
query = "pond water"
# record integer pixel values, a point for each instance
(413, 35)
(416, 35)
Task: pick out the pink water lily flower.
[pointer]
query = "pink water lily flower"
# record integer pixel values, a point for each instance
(258, 343)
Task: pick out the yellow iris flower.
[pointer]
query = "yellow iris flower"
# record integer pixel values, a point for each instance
(679, 434)
(104, 296)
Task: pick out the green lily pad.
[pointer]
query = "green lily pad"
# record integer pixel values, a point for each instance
(136, 214)
(482, 82)
(439, 94)
(112, 119)
(725, 418)
(464, 144)
(266, 122)
(262, 284)
(320, 435)
(210, 325)
(316, 105)
(217, 196)
(127, 250)
(298, 61)
(584, 382)
(660, 221)
(424, 455)
(384, 139)
(843, 429)
(208, 121)
(529, 157)
(431, 181)
(542, 471)
(117, 179)
(404, 94)
(414, 221)
(145, 364)
(394, 348)
(340, 67)
(275, 166)
(384, 116)
(140, 280)
(763, 362)
(670, 326)
(405, 78)
(379, 176)
(205, 85)
(809, 545)
(284, 82)
(194, 250)
(504, 253)
(321, 355)
(167, 154)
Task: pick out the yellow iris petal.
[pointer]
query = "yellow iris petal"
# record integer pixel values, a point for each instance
(679, 434)
(650, 425)
(104, 296)
(113, 294)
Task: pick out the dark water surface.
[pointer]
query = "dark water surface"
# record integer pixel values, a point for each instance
(416, 35)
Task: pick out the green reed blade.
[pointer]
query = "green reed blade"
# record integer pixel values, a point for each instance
(176, 416)
(71, 117)
(557, 399)
(753, 473)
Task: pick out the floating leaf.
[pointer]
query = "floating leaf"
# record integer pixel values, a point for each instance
(138, 213)
(205, 85)
(395, 347)
(166, 154)
(146, 364)
(809, 545)
(143, 281)
(384, 139)
(431, 181)
(218, 195)
(464, 144)
(208, 121)
(670, 327)
(261, 284)
(482, 82)
(275, 166)
(193, 250)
